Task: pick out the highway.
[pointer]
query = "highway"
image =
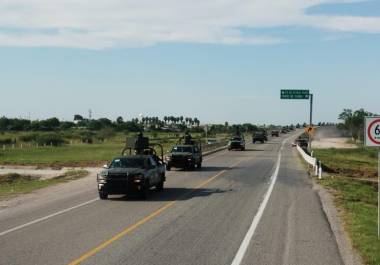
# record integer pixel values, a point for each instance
(251, 207)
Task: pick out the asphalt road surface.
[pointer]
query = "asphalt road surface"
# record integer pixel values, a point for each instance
(252, 207)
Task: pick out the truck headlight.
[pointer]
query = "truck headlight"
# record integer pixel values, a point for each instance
(138, 179)
(102, 176)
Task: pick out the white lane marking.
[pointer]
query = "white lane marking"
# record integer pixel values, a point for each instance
(256, 220)
(46, 217)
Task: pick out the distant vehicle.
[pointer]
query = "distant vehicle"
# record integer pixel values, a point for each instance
(284, 130)
(236, 143)
(184, 156)
(259, 136)
(212, 141)
(275, 133)
(134, 172)
(302, 142)
(187, 154)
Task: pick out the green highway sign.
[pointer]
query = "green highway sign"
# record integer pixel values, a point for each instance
(295, 94)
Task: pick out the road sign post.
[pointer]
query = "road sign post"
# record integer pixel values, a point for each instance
(300, 94)
(311, 120)
(372, 139)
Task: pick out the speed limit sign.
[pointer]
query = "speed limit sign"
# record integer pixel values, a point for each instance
(372, 131)
(372, 138)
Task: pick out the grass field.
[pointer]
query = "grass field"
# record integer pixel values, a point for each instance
(357, 200)
(70, 155)
(359, 163)
(359, 204)
(76, 154)
(14, 184)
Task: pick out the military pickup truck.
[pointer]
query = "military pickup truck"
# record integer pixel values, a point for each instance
(137, 171)
(275, 133)
(259, 136)
(236, 143)
(184, 156)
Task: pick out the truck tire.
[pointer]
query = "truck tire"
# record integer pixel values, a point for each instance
(103, 195)
(160, 186)
(144, 191)
(168, 168)
(199, 165)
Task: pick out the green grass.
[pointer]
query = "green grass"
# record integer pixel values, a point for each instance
(76, 154)
(15, 184)
(359, 202)
(361, 162)
(71, 155)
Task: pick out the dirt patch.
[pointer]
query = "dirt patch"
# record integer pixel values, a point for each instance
(13, 177)
(352, 173)
(338, 142)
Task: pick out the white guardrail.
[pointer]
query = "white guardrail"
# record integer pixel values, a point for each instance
(311, 161)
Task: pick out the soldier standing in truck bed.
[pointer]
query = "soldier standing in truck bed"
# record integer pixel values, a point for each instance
(188, 138)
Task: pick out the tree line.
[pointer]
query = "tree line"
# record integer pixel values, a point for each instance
(133, 125)
(353, 122)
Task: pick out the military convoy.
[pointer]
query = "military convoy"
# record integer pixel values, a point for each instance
(141, 164)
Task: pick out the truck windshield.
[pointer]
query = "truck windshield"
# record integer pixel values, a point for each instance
(130, 162)
(182, 149)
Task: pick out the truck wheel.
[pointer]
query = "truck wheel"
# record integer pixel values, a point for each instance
(143, 191)
(168, 168)
(160, 186)
(103, 195)
(199, 165)
(254, 141)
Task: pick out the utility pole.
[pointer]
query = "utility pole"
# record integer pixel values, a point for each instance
(311, 120)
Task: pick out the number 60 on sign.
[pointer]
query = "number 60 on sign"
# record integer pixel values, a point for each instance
(372, 131)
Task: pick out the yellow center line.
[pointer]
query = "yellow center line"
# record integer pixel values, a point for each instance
(129, 229)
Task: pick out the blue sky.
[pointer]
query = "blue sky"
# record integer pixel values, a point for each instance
(227, 66)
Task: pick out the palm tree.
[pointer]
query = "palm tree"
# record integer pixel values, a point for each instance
(197, 122)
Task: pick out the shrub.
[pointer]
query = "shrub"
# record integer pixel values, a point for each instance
(6, 141)
(106, 133)
(13, 177)
(87, 137)
(54, 139)
(29, 137)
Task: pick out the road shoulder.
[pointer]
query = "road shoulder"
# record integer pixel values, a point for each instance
(347, 252)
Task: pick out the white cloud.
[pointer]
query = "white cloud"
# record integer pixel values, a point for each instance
(133, 23)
